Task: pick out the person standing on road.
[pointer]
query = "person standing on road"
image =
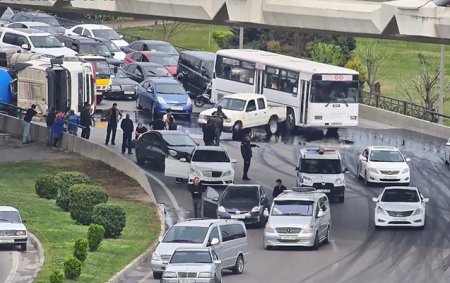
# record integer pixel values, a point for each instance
(58, 128)
(209, 132)
(218, 117)
(127, 127)
(73, 122)
(50, 120)
(196, 190)
(246, 151)
(278, 189)
(31, 112)
(171, 124)
(167, 116)
(113, 115)
(86, 121)
(158, 124)
(140, 129)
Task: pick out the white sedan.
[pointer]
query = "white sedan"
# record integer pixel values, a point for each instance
(383, 164)
(98, 31)
(400, 206)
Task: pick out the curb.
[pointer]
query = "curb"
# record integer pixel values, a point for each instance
(119, 276)
(38, 246)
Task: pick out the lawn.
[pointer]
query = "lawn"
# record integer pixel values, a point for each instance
(58, 232)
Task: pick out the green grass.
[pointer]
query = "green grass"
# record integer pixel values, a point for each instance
(58, 232)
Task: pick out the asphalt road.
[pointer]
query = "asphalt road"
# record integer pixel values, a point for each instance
(357, 252)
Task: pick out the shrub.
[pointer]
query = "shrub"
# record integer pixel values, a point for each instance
(111, 217)
(57, 277)
(65, 180)
(95, 236)
(80, 249)
(72, 268)
(273, 46)
(82, 199)
(45, 186)
(221, 37)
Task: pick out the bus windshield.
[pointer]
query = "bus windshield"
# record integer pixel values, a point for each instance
(334, 91)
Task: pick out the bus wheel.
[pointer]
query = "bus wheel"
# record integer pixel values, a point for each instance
(237, 128)
(272, 126)
(290, 120)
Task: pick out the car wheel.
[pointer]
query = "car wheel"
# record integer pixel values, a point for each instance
(138, 103)
(366, 181)
(157, 275)
(23, 247)
(239, 266)
(421, 227)
(358, 172)
(272, 126)
(199, 101)
(377, 227)
(237, 128)
(316, 242)
(327, 238)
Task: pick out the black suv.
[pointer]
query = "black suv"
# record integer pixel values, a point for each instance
(195, 70)
(38, 17)
(85, 45)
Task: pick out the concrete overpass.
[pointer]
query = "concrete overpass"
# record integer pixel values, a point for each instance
(418, 20)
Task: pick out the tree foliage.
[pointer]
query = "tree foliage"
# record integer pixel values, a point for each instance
(373, 61)
(356, 64)
(327, 53)
(170, 28)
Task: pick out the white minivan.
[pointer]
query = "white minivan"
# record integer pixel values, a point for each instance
(35, 41)
(228, 239)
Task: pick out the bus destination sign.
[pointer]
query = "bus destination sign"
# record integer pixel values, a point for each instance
(337, 77)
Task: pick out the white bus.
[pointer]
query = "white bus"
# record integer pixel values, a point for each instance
(315, 94)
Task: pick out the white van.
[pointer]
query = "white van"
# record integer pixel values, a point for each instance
(322, 169)
(228, 238)
(35, 41)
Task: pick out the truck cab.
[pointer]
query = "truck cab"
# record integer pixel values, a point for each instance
(322, 169)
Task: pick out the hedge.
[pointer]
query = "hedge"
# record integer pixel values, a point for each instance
(46, 187)
(82, 199)
(95, 236)
(64, 181)
(72, 268)
(111, 217)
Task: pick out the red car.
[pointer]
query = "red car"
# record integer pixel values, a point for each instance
(160, 58)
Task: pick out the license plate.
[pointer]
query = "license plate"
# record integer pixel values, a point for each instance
(187, 281)
(289, 238)
(400, 219)
(129, 92)
(324, 191)
(6, 241)
(239, 216)
(177, 108)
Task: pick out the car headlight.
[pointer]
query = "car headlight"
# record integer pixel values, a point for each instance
(109, 88)
(170, 274)
(21, 233)
(172, 152)
(156, 257)
(269, 229)
(228, 120)
(338, 181)
(417, 211)
(227, 173)
(307, 181)
(161, 100)
(373, 170)
(406, 170)
(308, 230)
(256, 208)
(380, 210)
(189, 101)
(221, 209)
(205, 275)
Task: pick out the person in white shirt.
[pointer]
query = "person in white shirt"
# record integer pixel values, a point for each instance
(167, 116)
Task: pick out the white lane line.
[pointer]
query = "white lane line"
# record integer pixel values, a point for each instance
(169, 194)
(14, 267)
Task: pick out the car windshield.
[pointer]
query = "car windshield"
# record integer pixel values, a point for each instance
(45, 41)
(321, 166)
(292, 208)
(191, 257)
(157, 71)
(48, 20)
(166, 48)
(165, 60)
(45, 29)
(385, 156)
(204, 155)
(10, 216)
(400, 195)
(102, 69)
(94, 49)
(186, 234)
(334, 92)
(240, 194)
(111, 46)
(120, 73)
(232, 104)
(179, 140)
(106, 33)
(171, 88)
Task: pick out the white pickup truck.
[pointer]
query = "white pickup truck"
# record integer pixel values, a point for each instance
(245, 111)
(447, 152)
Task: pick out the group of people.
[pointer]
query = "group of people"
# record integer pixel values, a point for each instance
(212, 130)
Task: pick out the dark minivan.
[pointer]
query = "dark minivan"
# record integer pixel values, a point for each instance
(238, 201)
(195, 70)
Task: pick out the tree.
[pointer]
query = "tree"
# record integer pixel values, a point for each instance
(170, 28)
(425, 84)
(327, 53)
(373, 61)
(355, 64)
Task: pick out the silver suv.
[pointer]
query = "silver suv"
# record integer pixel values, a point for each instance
(298, 217)
(228, 238)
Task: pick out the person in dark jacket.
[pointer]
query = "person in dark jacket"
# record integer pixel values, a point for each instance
(218, 117)
(58, 128)
(50, 120)
(158, 124)
(196, 189)
(113, 115)
(73, 122)
(171, 124)
(246, 152)
(127, 127)
(209, 132)
(140, 129)
(278, 189)
(86, 121)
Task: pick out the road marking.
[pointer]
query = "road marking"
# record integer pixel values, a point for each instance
(169, 194)
(14, 267)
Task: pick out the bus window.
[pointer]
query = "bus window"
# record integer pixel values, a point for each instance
(334, 91)
(272, 78)
(235, 70)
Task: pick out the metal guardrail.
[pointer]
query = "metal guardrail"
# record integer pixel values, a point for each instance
(400, 106)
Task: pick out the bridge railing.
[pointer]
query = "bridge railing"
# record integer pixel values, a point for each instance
(400, 106)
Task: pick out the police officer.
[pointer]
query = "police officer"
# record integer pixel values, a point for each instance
(246, 151)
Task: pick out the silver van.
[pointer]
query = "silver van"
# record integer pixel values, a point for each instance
(228, 239)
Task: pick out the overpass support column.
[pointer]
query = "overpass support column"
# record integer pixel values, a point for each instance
(241, 38)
